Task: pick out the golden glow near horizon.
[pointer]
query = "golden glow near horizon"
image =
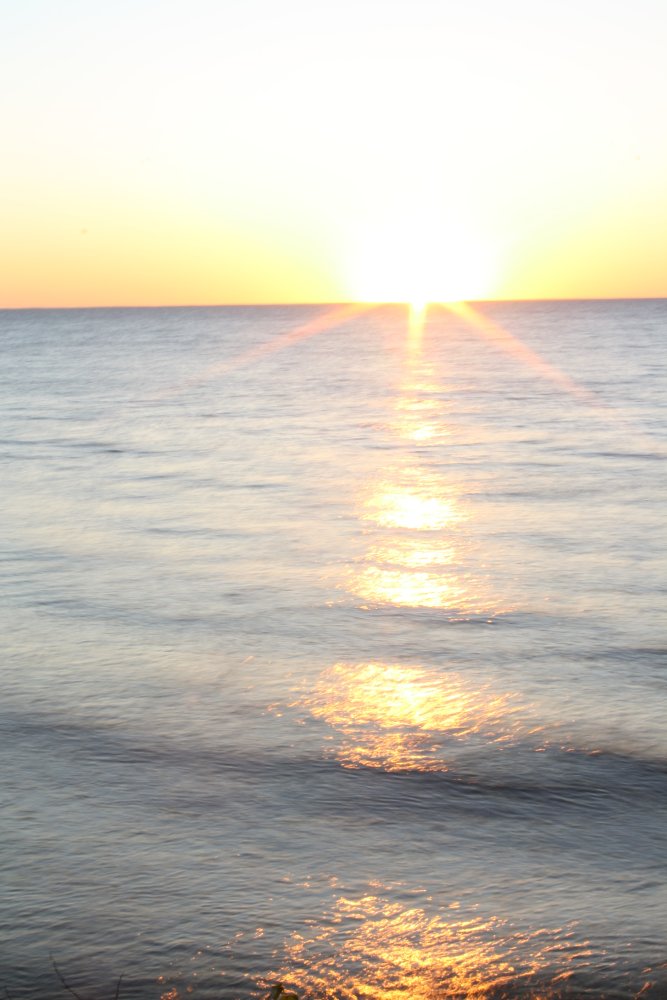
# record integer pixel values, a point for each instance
(215, 153)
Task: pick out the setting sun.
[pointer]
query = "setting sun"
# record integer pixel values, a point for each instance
(421, 259)
(427, 171)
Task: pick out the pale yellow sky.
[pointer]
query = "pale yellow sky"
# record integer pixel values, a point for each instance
(227, 151)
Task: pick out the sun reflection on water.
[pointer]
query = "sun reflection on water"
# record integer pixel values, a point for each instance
(409, 589)
(418, 573)
(375, 949)
(410, 507)
(421, 553)
(420, 410)
(420, 523)
(395, 717)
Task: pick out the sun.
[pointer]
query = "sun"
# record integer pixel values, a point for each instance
(420, 261)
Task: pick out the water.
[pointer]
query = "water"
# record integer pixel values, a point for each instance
(335, 652)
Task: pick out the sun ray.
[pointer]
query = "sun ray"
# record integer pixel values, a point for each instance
(501, 338)
(505, 341)
(334, 317)
(416, 322)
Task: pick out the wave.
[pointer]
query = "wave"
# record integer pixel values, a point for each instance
(507, 776)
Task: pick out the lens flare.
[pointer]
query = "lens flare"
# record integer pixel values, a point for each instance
(328, 320)
(501, 338)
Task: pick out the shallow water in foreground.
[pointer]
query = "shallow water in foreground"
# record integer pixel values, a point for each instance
(335, 652)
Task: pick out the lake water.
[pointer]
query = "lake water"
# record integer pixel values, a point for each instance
(334, 652)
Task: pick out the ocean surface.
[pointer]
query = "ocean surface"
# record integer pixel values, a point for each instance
(334, 652)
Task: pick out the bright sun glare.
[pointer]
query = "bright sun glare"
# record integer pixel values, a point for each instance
(419, 261)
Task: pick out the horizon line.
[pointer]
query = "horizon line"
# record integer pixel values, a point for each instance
(338, 302)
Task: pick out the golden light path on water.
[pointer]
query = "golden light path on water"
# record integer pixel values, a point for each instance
(420, 532)
(398, 717)
(419, 548)
(405, 588)
(417, 554)
(415, 504)
(420, 552)
(420, 411)
(373, 948)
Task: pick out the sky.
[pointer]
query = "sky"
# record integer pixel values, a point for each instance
(158, 152)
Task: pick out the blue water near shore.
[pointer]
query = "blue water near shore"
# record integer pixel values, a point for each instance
(334, 651)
